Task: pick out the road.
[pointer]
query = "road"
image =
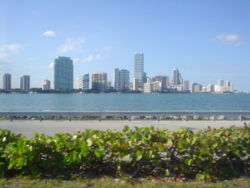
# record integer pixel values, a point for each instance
(50, 127)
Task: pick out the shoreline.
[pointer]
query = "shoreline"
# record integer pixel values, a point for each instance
(51, 127)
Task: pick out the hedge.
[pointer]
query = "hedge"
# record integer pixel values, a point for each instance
(139, 152)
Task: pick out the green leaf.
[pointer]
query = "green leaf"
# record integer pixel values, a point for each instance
(89, 142)
(167, 173)
(199, 176)
(139, 155)
(99, 153)
(188, 161)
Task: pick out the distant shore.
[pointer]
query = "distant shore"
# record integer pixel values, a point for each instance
(51, 127)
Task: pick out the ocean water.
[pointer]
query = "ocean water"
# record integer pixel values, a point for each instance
(123, 102)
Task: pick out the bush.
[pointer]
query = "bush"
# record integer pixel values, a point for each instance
(207, 154)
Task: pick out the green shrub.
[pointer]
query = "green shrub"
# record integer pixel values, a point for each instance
(139, 152)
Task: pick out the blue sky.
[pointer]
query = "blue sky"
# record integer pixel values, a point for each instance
(206, 40)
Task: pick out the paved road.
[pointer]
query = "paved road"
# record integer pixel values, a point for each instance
(29, 127)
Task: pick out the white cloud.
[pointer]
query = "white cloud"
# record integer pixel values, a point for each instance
(6, 50)
(90, 58)
(230, 39)
(51, 65)
(72, 45)
(76, 60)
(49, 33)
(107, 48)
(3, 55)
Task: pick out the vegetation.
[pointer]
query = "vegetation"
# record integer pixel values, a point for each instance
(209, 154)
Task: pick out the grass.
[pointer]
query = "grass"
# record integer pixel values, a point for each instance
(107, 182)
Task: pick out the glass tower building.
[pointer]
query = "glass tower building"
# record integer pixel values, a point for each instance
(139, 68)
(99, 81)
(63, 73)
(121, 79)
(176, 77)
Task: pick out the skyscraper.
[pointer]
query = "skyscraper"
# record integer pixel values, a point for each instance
(124, 79)
(25, 83)
(162, 79)
(176, 77)
(186, 85)
(210, 88)
(63, 73)
(220, 82)
(46, 85)
(139, 68)
(99, 81)
(229, 86)
(7, 82)
(83, 82)
(121, 79)
(117, 79)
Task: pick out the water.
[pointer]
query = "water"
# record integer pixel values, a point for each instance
(123, 102)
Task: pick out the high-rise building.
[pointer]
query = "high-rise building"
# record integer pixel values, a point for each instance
(99, 81)
(210, 88)
(63, 73)
(7, 82)
(135, 84)
(83, 82)
(163, 80)
(156, 86)
(139, 68)
(109, 85)
(177, 80)
(229, 86)
(124, 79)
(145, 77)
(117, 79)
(220, 83)
(185, 85)
(220, 87)
(121, 79)
(147, 88)
(46, 85)
(25, 83)
(196, 88)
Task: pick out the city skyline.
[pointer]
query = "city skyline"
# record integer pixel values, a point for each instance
(64, 74)
(203, 39)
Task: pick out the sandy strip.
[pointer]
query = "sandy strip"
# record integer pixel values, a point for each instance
(50, 127)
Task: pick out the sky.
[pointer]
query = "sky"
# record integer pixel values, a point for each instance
(206, 40)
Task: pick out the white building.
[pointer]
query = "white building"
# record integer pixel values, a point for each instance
(45, 85)
(156, 86)
(163, 79)
(196, 88)
(7, 82)
(25, 83)
(229, 86)
(179, 88)
(135, 84)
(147, 88)
(204, 89)
(83, 82)
(186, 85)
(219, 89)
(210, 88)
